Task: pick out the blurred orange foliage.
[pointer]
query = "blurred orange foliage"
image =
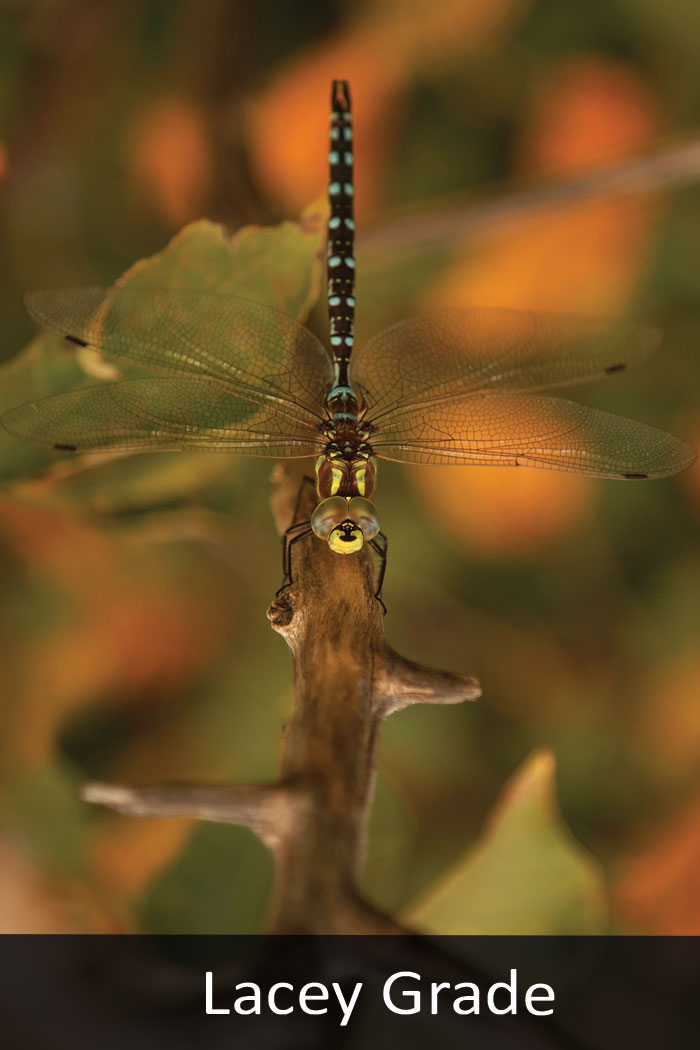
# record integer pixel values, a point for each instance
(126, 855)
(691, 478)
(167, 155)
(501, 512)
(658, 892)
(379, 54)
(586, 259)
(587, 111)
(33, 900)
(669, 721)
(159, 629)
(539, 678)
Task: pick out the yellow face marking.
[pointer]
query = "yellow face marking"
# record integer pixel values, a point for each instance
(346, 539)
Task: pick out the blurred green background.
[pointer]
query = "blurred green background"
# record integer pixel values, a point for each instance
(134, 644)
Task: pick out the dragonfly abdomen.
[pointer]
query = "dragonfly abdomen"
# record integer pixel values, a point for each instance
(341, 401)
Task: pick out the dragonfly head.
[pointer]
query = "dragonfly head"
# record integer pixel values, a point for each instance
(346, 523)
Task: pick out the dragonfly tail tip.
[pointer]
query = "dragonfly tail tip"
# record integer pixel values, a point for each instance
(340, 96)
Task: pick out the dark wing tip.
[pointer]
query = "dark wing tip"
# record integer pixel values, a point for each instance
(76, 340)
(674, 458)
(65, 448)
(644, 340)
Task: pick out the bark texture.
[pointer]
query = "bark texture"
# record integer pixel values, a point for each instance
(346, 681)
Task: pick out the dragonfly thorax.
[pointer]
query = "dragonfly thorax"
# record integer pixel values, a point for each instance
(347, 523)
(346, 468)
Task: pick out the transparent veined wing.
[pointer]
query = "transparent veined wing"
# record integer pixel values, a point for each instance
(451, 353)
(250, 349)
(525, 430)
(160, 413)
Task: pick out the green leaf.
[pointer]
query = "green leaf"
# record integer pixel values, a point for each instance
(45, 815)
(276, 266)
(219, 883)
(527, 874)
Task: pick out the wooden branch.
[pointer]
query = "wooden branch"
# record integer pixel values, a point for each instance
(400, 683)
(266, 810)
(346, 681)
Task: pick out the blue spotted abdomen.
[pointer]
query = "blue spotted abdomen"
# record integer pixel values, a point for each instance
(341, 225)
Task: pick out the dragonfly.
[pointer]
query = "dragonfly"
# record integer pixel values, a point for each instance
(448, 387)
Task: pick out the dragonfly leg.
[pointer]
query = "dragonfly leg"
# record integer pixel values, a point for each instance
(380, 545)
(295, 532)
(306, 480)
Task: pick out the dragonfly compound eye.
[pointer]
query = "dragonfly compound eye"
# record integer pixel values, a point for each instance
(328, 514)
(363, 512)
(346, 538)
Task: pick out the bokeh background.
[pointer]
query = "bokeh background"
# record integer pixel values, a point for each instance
(134, 642)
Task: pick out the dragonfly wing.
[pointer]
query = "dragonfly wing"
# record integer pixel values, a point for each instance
(162, 413)
(452, 353)
(524, 430)
(252, 350)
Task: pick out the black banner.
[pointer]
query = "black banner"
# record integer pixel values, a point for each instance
(148, 993)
